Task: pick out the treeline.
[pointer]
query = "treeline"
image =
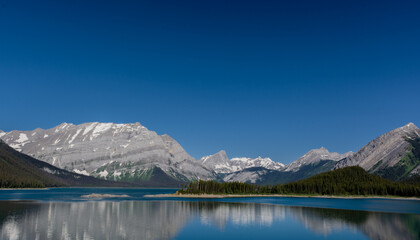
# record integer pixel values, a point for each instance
(345, 181)
(18, 170)
(14, 174)
(19, 182)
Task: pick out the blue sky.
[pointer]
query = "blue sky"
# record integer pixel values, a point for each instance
(259, 78)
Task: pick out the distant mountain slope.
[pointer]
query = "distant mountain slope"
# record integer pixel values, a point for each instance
(393, 155)
(263, 176)
(109, 151)
(18, 170)
(315, 156)
(304, 172)
(313, 162)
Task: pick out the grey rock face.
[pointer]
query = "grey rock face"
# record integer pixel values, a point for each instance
(108, 150)
(220, 163)
(314, 156)
(247, 175)
(384, 151)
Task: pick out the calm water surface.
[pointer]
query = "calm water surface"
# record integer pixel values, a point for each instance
(63, 214)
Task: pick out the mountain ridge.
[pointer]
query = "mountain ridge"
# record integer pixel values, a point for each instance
(221, 164)
(385, 151)
(131, 152)
(108, 150)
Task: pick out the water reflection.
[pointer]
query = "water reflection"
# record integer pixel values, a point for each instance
(373, 224)
(165, 219)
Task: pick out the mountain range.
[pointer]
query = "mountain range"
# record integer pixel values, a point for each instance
(132, 153)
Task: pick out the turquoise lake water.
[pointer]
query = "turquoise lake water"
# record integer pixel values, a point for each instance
(62, 213)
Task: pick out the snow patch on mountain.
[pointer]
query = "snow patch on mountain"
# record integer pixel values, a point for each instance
(48, 170)
(74, 136)
(103, 174)
(83, 172)
(100, 128)
(22, 138)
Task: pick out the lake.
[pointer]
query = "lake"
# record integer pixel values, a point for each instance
(62, 213)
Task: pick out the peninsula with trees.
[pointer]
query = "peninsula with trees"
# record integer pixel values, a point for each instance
(345, 182)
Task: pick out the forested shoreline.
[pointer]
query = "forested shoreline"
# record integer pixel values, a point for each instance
(345, 181)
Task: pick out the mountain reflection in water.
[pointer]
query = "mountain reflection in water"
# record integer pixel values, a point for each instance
(166, 219)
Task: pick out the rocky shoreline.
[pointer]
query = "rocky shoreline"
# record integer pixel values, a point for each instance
(97, 195)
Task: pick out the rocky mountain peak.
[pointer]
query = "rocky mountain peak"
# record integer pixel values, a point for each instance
(317, 151)
(217, 158)
(410, 125)
(409, 130)
(384, 151)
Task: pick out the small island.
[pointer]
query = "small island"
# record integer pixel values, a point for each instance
(98, 195)
(349, 182)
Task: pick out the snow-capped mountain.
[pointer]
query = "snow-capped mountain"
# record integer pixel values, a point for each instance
(314, 156)
(220, 163)
(108, 150)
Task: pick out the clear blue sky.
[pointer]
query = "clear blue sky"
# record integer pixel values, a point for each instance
(269, 78)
